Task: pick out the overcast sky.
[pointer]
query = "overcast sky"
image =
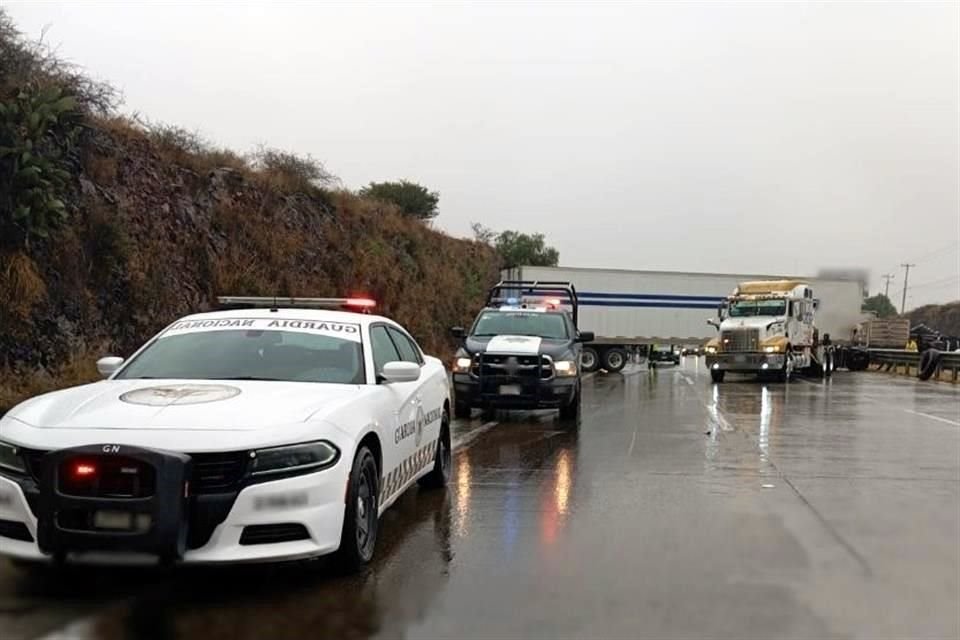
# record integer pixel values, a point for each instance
(753, 137)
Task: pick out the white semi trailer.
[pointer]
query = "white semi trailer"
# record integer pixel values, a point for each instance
(625, 309)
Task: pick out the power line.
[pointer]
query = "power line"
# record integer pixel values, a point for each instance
(935, 282)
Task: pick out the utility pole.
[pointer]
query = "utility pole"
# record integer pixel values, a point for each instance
(886, 290)
(906, 276)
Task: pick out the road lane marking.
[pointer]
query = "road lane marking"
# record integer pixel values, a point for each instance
(932, 417)
(633, 441)
(467, 439)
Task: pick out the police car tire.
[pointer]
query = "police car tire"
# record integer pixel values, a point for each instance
(353, 553)
(442, 461)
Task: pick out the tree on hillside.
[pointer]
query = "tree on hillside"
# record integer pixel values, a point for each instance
(516, 249)
(880, 305)
(413, 199)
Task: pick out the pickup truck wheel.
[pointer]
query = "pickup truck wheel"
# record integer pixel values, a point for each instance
(461, 410)
(589, 359)
(717, 375)
(614, 360)
(571, 410)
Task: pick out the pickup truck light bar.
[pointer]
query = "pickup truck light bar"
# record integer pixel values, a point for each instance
(563, 292)
(362, 305)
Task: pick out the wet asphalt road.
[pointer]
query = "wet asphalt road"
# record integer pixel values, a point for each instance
(678, 509)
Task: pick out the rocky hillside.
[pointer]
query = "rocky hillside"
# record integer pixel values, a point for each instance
(944, 318)
(140, 225)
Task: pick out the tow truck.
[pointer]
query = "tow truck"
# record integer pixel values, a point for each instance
(767, 326)
(522, 352)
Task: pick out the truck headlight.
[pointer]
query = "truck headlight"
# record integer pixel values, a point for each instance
(10, 458)
(711, 349)
(565, 368)
(298, 458)
(462, 365)
(772, 349)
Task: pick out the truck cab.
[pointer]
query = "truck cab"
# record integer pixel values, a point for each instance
(766, 327)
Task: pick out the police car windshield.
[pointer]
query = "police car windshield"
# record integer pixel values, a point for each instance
(290, 356)
(518, 323)
(745, 308)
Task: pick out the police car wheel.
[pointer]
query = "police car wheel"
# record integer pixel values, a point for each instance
(442, 461)
(360, 522)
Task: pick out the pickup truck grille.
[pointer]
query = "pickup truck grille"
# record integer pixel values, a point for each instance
(527, 367)
(742, 340)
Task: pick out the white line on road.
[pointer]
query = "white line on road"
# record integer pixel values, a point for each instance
(467, 439)
(633, 441)
(932, 417)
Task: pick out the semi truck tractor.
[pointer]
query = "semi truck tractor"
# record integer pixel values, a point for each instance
(630, 310)
(768, 327)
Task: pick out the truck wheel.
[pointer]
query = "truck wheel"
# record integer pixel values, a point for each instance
(589, 359)
(717, 375)
(614, 359)
(461, 410)
(828, 363)
(571, 410)
(929, 360)
(857, 360)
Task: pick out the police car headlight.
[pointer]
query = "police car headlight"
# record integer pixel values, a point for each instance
(299, 458)
(565, 368)
(462, 365)
(10, 459)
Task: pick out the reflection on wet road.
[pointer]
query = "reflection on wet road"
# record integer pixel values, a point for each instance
(678, 509)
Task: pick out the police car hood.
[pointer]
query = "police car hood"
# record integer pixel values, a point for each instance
(184, 405)
(517, 345)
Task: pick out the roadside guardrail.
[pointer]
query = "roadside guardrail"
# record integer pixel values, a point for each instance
(918, 363)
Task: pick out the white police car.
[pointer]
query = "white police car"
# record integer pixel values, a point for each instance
(264, 432)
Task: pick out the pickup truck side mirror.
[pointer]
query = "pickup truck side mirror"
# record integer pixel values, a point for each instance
(585, 336)
(457, 332)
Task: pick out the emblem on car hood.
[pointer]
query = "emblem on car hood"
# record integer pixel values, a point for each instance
(180, 394)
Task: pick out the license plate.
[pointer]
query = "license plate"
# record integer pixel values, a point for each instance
(740, 358)
(114, 520)
(510, 390)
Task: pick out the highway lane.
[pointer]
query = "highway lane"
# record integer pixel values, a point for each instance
(678, 509)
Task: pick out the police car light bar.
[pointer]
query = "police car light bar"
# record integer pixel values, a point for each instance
(364, 305)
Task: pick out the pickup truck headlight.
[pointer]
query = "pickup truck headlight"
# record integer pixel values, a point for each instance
(10, 459)
(775, 348)
(462, 364)
(565, 368)
(711, 349)
(298, 458)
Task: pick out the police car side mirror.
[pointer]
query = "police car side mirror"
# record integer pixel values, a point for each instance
(108, 365)
(585, 336)
(400, 372)
(457, 332)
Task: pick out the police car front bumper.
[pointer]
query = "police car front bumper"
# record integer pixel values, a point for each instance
(513, 393)
(745, 361)
(288, 519)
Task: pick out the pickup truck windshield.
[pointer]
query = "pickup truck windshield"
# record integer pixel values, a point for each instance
(746, 308)
(517, 323)
(250, 355)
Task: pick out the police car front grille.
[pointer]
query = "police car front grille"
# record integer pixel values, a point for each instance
(212, 472)
(528, 366)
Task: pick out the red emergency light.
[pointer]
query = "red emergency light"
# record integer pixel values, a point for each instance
(83, 470)
(362, 303)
